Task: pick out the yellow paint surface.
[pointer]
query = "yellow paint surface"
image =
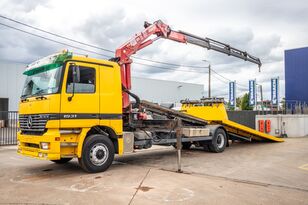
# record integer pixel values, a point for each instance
(215, 113)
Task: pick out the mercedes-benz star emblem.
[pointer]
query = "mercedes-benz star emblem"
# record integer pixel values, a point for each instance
(29, 122)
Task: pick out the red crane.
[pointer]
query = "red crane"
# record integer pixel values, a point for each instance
(161, 30)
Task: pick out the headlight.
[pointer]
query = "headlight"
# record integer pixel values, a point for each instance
(44, 145)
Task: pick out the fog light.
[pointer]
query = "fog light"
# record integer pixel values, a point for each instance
(18, 143)
(44, 145)
(40, 154)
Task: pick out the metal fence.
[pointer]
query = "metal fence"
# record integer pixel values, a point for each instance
(295, 107)
(248, 117)
(245, 117)
(8, 127)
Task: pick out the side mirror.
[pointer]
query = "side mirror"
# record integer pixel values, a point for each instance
(76, 79)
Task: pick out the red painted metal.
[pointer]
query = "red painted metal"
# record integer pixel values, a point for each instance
(161, 30)
(267, 126)
(261, 125)
(138, 42)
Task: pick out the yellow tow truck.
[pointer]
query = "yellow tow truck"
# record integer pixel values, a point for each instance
(79, 107)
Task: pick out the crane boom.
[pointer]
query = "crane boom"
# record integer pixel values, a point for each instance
(220, 47)
(162, 30)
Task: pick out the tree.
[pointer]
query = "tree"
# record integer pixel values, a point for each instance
(245, 102)
(284, 105)
(238, 102)
(229, 107)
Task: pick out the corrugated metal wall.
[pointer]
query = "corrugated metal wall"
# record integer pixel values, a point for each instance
(296, 74)
(162, 91)
(11, 82)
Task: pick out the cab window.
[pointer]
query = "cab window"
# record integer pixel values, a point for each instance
(86, 83)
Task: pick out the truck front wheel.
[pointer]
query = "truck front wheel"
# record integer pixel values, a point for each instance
(97, 153)
(219, 141)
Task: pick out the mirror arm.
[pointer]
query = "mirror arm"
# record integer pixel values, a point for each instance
(71, 97)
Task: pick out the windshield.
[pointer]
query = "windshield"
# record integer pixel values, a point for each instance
(45, 82)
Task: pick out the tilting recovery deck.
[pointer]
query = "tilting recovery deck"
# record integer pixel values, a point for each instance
(214, 112)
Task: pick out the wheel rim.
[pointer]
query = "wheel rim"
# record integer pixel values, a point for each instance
(220, 141)
(99, 154)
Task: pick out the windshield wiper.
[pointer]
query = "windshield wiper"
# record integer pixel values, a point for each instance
(40, 95)
(41, 91)
(24, 98)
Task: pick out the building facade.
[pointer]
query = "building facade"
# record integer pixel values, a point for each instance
(296, 74)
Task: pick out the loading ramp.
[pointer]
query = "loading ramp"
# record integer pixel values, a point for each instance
(214, 112)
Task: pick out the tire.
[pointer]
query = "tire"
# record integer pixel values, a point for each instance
(62, 160)
(97, 154)
(219, 141)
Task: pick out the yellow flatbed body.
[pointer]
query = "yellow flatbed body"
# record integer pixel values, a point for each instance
(215, 113)
(246, 132)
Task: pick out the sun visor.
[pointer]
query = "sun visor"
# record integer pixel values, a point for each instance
(47, 63)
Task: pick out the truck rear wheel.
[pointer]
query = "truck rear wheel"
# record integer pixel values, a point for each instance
(219, 141)
(97, 153)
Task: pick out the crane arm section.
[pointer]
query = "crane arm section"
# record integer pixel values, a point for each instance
(220, 47)
(161, 30)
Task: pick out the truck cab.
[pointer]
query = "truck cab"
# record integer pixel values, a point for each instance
(66, 98)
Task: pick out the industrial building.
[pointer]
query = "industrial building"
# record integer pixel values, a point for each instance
(160, 91)
(296, 72)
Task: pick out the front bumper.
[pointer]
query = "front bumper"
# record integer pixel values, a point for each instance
(30, 145)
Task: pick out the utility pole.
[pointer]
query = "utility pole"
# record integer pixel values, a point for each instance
(209, 80)
(256, 95)
(209, 85)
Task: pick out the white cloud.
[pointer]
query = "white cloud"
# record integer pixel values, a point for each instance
(263, 28)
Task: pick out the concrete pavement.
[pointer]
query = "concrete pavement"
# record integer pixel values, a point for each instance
(246, 173)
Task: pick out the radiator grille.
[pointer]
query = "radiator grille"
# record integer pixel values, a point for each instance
(32, 123)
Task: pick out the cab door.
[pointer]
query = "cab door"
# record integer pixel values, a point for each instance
(80, 99)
